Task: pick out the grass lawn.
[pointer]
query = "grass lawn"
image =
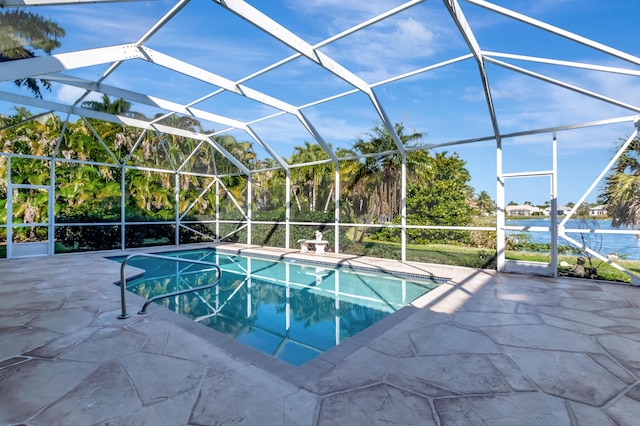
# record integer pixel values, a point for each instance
(484, 258)
(605, 271)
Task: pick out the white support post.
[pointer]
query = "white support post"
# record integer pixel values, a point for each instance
(123, 239)
(51, 209)
(554, 209)
(217, 209)
(336, 214)
(9, 211)
(287, 210)
(337, 304)
(249, 210)
(249, 282)
(177, 207)
(500, 219)
(403, 211)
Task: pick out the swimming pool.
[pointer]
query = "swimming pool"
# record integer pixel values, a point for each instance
(291, 310)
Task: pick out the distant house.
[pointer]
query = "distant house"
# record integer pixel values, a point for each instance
(522, 210)
(599, 210)
(560, 210)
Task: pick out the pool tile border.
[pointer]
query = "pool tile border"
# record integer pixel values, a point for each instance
(299, 375)
(340, 263)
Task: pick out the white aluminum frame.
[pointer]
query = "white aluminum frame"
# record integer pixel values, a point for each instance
(53, 67)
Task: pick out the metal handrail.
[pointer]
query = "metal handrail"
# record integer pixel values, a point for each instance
(123, 281)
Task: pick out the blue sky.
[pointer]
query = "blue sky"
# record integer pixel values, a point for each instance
(446, 104)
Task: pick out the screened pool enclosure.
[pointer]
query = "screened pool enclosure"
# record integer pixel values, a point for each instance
(135, 123)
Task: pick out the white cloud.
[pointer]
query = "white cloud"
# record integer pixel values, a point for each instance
(340, 10)
(525, 103)
(392, 47)
(69, 94)
(386, 48)
(103, 25)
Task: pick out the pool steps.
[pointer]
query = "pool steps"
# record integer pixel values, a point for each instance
(123, 281)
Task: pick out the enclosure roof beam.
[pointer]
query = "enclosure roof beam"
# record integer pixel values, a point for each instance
(267, 148)
(621, 150)
(271, 27)
(26, 3)
(296, 55)
(190, 70)
(558, 31)
(23, 68)
(307, 124)
(571, 64)
(162, 21)
(150, 32)
(463, 26)
(565, 85)
(325, 42)
(193, 71)
(420, 70)
(111, 118)
(226, 84)
(160, 103)
(336, 37)
(145, 99)
(228, 156)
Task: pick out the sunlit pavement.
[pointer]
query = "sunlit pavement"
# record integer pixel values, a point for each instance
(485, 348)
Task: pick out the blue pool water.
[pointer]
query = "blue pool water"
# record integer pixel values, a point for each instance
(290, 310)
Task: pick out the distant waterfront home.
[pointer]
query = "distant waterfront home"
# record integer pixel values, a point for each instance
(561, 211)
(599, 210)
(522, 210)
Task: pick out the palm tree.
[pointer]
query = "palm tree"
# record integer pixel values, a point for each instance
(105, 104)
(183, 122)
(376, 184)
(29, 135)
(621, 191)
(21, 34)
(484, 203)
(269, 188)
(310, 179)
(242, 151)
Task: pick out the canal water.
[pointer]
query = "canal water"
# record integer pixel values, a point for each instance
(625, 246)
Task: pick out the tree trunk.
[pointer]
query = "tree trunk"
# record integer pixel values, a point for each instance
(326, 205)
(295, 195)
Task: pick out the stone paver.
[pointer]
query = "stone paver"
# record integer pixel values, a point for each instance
(443, 375)
(379, 404)
(483, 349)
(32, 386)
(451, 340)
(625, 411)
(624, 349)
(572, 376)
(526, 409)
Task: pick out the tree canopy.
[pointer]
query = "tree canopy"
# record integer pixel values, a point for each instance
(621, 189)
(22, 35)
(370, 187)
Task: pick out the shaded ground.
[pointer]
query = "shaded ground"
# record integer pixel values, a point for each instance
(485, 349)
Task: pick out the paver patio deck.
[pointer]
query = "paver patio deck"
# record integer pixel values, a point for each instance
(483, 349)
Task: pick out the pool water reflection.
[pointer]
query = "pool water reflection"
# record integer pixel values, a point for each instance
(290, 310)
